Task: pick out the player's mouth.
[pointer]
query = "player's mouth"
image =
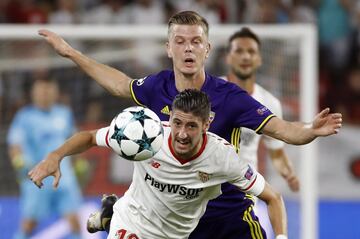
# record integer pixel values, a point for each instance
(245, 66)
(182, 144)
(189, 61)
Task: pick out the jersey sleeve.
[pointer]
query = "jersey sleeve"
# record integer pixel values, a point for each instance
(244, 176)
(248, 112)
(272, 143)
(101, 137)
(142, 90)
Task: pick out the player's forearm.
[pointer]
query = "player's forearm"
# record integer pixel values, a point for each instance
(277, 215)
(296, 133)
(114, 81)
(78, 143)
(281, 162)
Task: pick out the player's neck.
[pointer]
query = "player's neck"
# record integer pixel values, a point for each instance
(194, 81)
(246, 84)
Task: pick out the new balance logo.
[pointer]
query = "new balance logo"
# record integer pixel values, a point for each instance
(165, 110)
(155, 164)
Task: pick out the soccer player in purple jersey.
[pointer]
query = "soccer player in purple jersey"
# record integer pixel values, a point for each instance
(232, 108)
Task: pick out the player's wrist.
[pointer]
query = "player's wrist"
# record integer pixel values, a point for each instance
(308, 125)
(281, 236)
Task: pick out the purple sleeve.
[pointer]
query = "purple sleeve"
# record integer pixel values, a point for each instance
(142, 90)
(251, 114)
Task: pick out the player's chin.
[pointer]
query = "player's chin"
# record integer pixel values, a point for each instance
(181, 149)
(189, 70)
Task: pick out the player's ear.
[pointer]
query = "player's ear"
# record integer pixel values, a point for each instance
(206, 126)
(168, 50)
(260, 61)
(208, 48)
(227, 58)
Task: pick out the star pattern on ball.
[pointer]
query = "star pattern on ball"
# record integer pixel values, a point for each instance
(139, 116)
(145, 142)
(118, 135)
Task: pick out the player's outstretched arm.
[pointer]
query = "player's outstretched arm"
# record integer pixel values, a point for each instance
(50, 166)
(297, 133)
(285, 168)
(114, 81)
(276, 210)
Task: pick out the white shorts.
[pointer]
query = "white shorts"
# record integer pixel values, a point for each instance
(121, 226)
(262, 213)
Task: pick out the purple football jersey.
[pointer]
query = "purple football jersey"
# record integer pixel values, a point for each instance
(231, 108)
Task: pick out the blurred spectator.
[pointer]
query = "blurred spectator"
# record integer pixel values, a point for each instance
(266, 11)
(65, 13)
(108, 12)
(355, 46)
(302, 12)
(334, 22)
(349, 97)
(27, 11)
(36, 130)
(3, 6)
(212, 10)
(147, 12)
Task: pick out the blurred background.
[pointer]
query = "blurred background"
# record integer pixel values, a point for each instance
(337, 24)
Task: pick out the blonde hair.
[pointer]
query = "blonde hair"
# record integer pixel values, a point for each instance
(188, 18)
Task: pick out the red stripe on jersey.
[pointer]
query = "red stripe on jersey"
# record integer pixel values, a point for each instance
(106, 139)
(251, 184)
(183, 161)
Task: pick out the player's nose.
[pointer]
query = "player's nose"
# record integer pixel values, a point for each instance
(182, 133)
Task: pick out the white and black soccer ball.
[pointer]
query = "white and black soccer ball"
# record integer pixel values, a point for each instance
(136, 133)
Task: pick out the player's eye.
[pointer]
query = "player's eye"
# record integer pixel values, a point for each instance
(192, 126)
(179, 41)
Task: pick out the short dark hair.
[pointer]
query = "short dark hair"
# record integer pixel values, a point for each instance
(45, 80)
(244, 32)
(193, 101)
(188, 18)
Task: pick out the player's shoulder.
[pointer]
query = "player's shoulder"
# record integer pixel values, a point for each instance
(223, 86)
(26, 111)
(217, 143)
(161, 75)
(156, 80)
(265, 93)
(62, 109)
(219, 153)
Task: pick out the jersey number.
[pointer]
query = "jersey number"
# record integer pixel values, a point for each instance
(122, 233)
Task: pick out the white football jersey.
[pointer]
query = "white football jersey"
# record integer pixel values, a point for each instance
(249, 140)
(168, 195)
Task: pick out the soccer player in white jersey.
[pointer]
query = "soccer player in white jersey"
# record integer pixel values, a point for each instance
(244, 58)
(169, 192)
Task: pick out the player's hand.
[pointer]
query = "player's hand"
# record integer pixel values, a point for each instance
(57, 42)
(326, 124)
(50, 166)
(293, 182)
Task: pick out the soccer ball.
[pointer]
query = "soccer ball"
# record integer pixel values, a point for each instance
(136, 134)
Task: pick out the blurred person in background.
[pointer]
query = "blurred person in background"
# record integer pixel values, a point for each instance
(36, 130)
(244, 59)
(65, 12)
(107, 12)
